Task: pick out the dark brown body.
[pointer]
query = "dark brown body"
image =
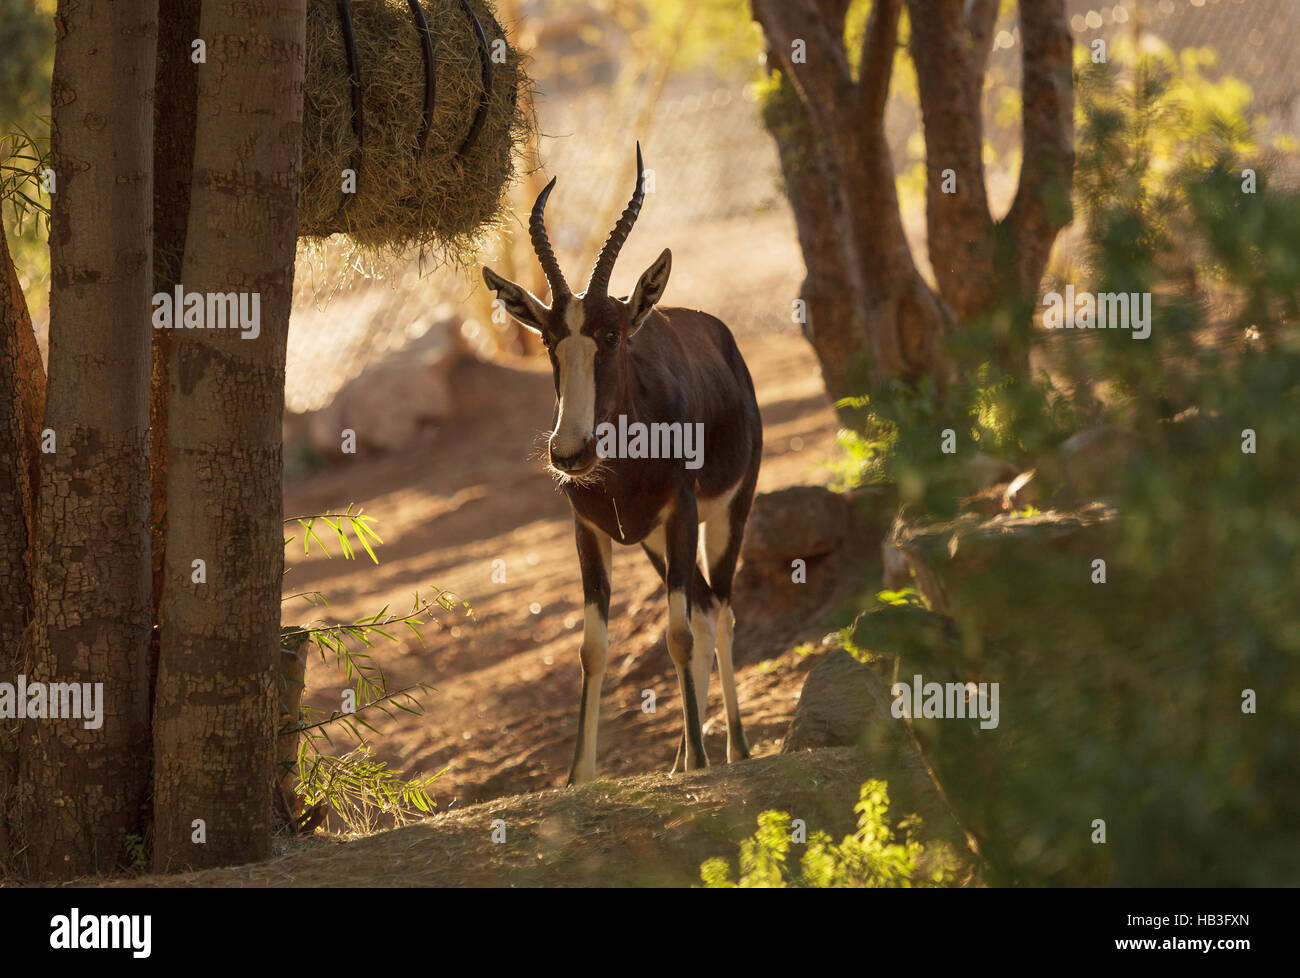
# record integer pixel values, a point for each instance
(717, 391)
(625, 358)
(682, 366)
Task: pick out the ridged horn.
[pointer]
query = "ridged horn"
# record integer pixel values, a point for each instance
(542, 245)
(599, 284)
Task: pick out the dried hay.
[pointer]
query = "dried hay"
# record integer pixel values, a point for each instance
(438, 201)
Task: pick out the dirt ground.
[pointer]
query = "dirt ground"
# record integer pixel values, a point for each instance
(648, 830)
(503, 718)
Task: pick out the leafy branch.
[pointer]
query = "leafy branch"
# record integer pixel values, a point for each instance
(355, 786)
(339, 523)
(358, 667)
(358, 788)
(413, 706)
(22, 159)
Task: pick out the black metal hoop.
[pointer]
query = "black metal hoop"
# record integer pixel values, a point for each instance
(486, 58)
(430, 73)
(354, 71)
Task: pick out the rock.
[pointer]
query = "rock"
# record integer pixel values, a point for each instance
(909, 633)
(845, 703)
(961, 565)
(842, 700)
(798, 522)
(390, 401)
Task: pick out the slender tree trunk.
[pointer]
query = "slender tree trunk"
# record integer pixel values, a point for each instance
(872, 317)
(22, 402)
(175, 113)
(81, 789)
(215, 707)
(832, 320)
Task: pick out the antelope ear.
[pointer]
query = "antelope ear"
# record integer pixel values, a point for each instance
(649, 289)
(527, 309)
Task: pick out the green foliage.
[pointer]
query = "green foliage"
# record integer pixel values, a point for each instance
(896, 436)
(873, 856)
(718, 34)
(1123, 701)
(908, 596)
(26, 64)
(357, 788)
(23, 156)
(784, 117)
(137, 856)
(340, 524)
(678, 34)
(360, 790)
(27, 39)
(302, 460)
(869, 448)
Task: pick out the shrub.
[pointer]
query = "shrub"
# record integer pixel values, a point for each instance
(1161, 702)
(873, 856)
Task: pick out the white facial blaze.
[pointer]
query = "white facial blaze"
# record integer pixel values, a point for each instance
(576, 356)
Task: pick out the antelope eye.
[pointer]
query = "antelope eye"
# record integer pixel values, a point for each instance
(546, 340)
(611, 338)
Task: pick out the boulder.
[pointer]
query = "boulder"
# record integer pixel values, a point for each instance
(842, 700)
(846, 703)
(798, 522)
(961, 565)
(390, 401)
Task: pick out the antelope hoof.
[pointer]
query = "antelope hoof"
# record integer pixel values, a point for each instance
(579, 777)
(737, 750)
(692, 763)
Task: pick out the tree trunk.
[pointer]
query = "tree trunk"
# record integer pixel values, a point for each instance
(832, 319)
(175, 112)
(872, 318)
(80, 789)
(215, 708)
(22, 402)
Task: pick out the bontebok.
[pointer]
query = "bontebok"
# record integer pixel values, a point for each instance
(633, 383)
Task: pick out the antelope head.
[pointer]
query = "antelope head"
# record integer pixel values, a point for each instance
(586, 335)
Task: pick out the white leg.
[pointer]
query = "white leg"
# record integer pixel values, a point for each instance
(716, 537)
(737, 748)
(681, 644)
(595, 655)
(594, 556)
(704, 628)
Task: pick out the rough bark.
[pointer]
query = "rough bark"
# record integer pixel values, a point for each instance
(840, 337)
(80, 790)
(173, 163)
(865, 296)
(22, 402)
(1042, 206)
(882, 312)
(291, 677)
(950, 82)
(215, 706)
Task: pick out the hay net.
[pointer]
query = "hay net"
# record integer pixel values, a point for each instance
(433, 160)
